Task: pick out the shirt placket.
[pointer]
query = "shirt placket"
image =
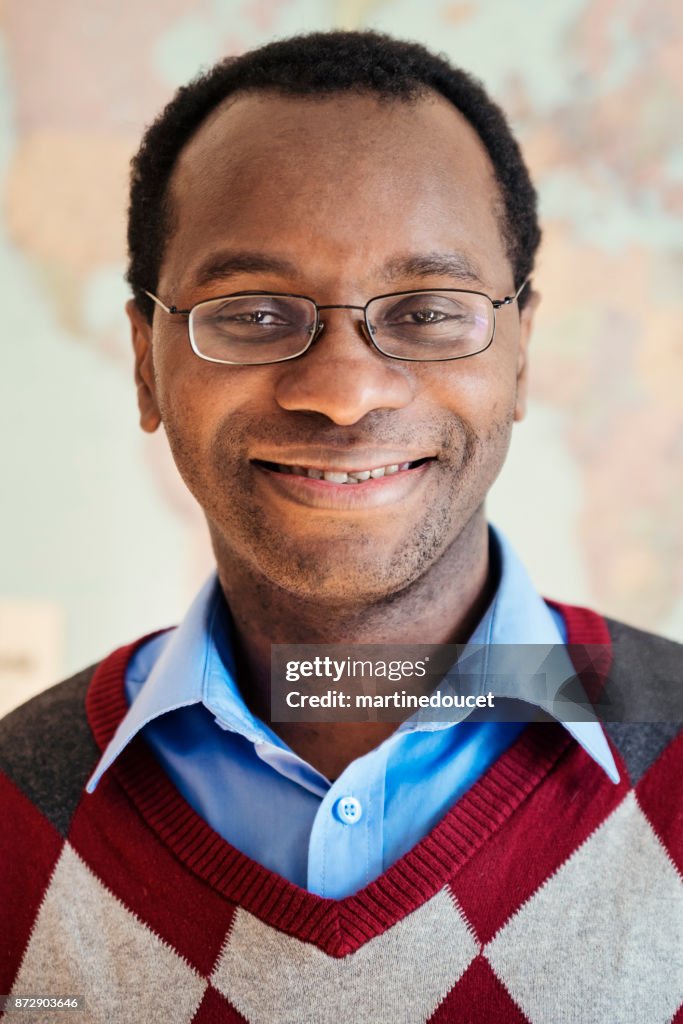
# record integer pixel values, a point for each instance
(346, 846)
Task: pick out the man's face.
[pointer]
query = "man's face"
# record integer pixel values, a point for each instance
(340, 200)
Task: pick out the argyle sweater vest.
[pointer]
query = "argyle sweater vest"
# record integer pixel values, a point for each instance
(545, 894)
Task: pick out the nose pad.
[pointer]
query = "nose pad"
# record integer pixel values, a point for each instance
(366, 333)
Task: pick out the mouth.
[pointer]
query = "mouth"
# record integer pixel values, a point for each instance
(336, 476)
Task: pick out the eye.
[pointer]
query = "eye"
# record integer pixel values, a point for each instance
(426, 316)
(255, 316)
(261, 319)
(247, 311)
(425, 311)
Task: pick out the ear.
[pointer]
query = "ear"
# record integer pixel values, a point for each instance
(141, 334)
(526, 321)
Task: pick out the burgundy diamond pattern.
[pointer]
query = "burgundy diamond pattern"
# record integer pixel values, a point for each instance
(567, 921)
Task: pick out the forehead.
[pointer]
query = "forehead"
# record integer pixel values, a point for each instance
(352, 179)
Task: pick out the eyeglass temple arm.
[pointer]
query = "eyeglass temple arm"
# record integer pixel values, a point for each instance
(162, 305)
(511, 298)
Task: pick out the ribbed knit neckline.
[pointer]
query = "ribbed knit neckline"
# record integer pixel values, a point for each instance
(337, 926)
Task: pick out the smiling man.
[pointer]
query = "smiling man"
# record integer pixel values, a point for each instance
(331, 242)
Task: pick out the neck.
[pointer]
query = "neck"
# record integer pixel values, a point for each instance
(443, 606)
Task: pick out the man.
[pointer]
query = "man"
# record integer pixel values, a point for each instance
(331, 242)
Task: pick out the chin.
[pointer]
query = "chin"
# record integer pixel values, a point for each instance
(350, 591)
(337, 566)
(345, 575)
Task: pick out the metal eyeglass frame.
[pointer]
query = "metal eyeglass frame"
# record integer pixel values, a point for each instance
(320, 324)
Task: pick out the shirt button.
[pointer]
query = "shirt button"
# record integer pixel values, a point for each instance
(349, 810)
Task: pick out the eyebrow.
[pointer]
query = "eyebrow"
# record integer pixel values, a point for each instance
(455, 264)
(222, 265)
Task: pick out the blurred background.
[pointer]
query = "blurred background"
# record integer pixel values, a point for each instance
(99, 541)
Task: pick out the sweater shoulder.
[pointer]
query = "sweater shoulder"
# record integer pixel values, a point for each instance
(47, 748)
(638, 650)
(645, 695)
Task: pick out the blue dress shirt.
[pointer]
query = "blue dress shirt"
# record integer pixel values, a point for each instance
(331, 838)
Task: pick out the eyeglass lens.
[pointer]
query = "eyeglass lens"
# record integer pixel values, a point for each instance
(425, 326)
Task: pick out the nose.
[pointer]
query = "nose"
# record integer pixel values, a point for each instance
(342, 376)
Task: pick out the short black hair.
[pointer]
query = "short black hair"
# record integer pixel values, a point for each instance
(320, 64)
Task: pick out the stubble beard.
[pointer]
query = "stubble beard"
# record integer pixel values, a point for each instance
(341, 568)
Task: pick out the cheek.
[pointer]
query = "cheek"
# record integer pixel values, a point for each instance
(481, 390)
(210, 414)
(193, 394)
(191, 406)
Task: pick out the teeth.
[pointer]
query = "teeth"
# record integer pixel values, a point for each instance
(358, 476)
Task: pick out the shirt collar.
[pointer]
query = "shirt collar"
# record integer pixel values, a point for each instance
(518, 615)
(196, 664)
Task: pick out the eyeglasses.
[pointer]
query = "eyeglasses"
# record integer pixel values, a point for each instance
(255, 328)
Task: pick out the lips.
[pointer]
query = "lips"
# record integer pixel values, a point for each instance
(336, 476)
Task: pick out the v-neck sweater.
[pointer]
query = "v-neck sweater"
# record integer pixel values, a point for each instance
(546, 893)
